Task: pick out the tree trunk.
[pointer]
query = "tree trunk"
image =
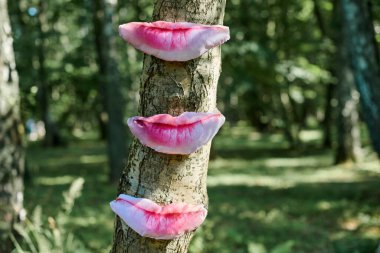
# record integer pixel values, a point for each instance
(11, 152)
(98, 20)
(349, 146)
(288, 108)
(172, 87)
(52, 136)
(328, 116)
(326, 35)
(291, 127)
(43, 89)
(110, 84)
(359, 34)
(348, 129)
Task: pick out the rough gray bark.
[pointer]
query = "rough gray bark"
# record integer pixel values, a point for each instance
(11, 153)
(110, 84)
(172, 87)
(348, 129)
(359, 30)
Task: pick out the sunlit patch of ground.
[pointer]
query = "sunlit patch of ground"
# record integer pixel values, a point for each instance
(264, 197)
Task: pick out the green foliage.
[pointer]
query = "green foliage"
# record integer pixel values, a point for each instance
(68, 46)
(260, 45)
(55, 237)
(276, 47)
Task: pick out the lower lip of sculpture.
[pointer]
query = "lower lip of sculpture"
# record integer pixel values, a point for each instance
(159, 222)
(176, 135)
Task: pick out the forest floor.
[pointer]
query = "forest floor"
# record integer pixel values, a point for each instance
(264, 197)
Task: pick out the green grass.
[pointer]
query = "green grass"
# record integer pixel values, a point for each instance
(264, 197)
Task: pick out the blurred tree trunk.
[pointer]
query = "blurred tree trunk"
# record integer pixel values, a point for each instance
(289, 116)
(43, 86)
(328, 116)
(348, 129)
(52, 136)
(110, 85)
(349, 146)
(362, 49)
(288, 107)
(172, 87)
(11, 152)
(98, 22)
(330, 88)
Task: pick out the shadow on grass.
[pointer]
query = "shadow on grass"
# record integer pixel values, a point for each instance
(262, 195)
(324, 217)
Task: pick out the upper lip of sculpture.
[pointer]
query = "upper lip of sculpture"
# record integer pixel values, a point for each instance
(177, 26)
(161, 210)
(173, 41)
(174, 121)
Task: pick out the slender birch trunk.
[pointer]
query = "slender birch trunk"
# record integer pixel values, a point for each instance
(172, 87)
(11, 153)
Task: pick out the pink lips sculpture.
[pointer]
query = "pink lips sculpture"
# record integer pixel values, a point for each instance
(178, 41)
(176, 135)
(159, 222)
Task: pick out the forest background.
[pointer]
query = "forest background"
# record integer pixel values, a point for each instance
(294, 169)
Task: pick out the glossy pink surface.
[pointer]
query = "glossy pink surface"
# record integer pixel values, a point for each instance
(159, 222)
(163, 37)
(176, 135)
(173, 41)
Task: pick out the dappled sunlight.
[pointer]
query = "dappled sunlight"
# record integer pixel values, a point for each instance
(275, 174)
(324, 205)
(84, 221)
(311, 135)
(50, 181)
(294, 196)
(243, 179)
(367, 224)
(371, 231)
(93, 158)
(350, 224)
(296, 162)
(301, 213)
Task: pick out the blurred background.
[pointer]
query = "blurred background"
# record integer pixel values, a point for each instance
(292, 170)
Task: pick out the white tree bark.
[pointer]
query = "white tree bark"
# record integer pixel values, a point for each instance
(11, 153)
